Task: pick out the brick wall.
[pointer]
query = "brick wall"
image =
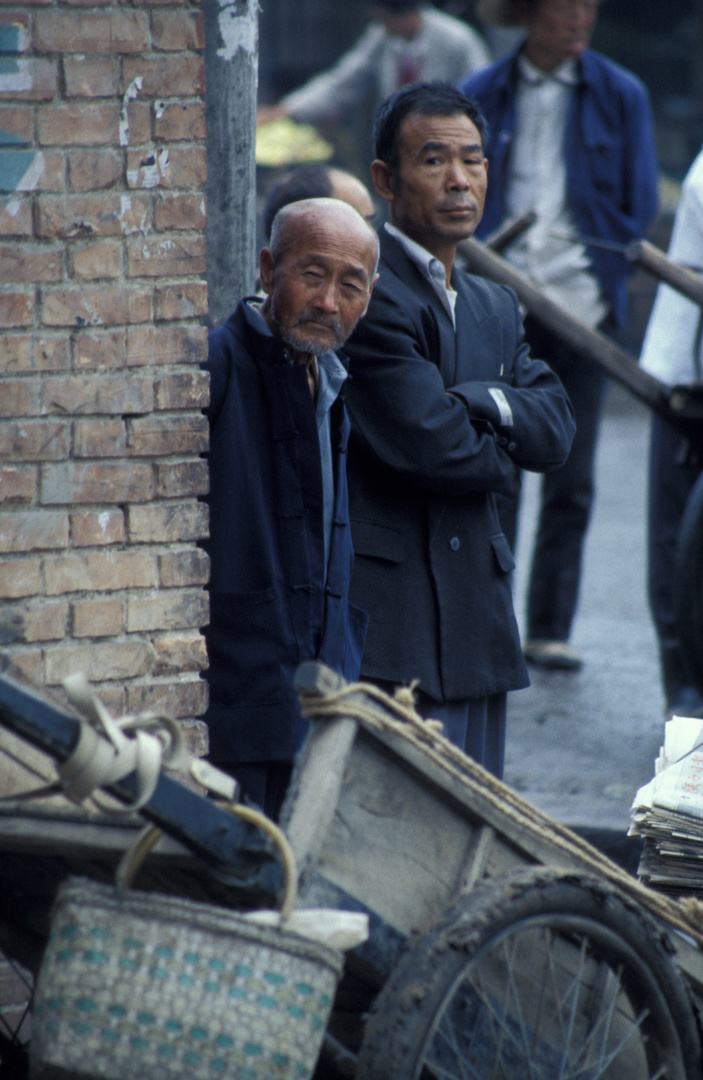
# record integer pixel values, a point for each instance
(102, 296)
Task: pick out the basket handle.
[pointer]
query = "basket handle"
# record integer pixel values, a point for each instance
(149, 836)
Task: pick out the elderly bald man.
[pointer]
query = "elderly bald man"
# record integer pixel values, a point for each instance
(279, 546)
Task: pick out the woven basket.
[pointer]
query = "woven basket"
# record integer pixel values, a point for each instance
(137, 986)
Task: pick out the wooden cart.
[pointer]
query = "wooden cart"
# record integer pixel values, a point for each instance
(501, 945)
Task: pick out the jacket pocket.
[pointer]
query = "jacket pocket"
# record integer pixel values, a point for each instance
(244, 649)
(377, 541)
(502, 552)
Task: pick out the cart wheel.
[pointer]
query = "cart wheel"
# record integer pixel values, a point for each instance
(535, 977)
(688, 584)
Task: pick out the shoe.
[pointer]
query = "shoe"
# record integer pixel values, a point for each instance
(554, 655)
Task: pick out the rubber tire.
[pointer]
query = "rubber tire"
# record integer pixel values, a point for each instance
(688, 585)
(400, 1023)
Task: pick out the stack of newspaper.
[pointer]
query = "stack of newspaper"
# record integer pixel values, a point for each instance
(668, 812)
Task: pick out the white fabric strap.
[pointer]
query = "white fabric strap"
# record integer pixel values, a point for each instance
(109, 750)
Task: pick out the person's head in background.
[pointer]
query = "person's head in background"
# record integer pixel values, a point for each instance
(555, 30)
(401, 18)
(317, 182)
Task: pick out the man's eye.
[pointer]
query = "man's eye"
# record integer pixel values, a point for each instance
(312, 275)
(351, 286)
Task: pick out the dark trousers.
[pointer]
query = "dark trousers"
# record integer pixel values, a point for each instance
(475, 725)
(263, 783)
(566, 495)
(671, 481)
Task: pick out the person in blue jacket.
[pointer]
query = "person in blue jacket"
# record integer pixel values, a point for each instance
(569, 136)
(280, 546)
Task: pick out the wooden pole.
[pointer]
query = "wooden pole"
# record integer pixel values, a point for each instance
(590, 344)
(655, 262)
(231, 56)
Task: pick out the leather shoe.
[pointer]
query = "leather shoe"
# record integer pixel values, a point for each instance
(553, 655)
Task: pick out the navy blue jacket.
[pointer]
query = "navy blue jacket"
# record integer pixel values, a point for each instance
(270, 608)
(611, 165)
(427, 455)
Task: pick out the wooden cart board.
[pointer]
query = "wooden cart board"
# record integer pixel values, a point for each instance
(379, 822)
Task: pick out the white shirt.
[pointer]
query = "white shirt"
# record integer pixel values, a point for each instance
(431, 268)
(671, 349)
(537, 181)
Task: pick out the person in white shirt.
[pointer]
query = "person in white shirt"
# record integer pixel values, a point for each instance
(672, 351)
(407, 41)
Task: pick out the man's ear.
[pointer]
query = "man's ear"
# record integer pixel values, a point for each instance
(383, 180)
(267, 269)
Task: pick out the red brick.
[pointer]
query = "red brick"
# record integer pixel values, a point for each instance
(99, 438)
(101, 259)
(166, 76)
(97, 618)
(35, 353)
(138, 129)
(33, 80)
(34, 440)
(166, 344)
(95, 528)
(181, 478)
(94, 214)
(46, 621)
(78, 124)
(179, 121)
(109, 33)
(20, 22)
(33, 530)
(102, 571)
(173, 699)
(17, 120)
(165, 435)
(29, 663)
(110, 305)
(15, 218)
(19, 577)
(182, 390)
(31, 262)
(20, 397)
(17, 485)
(111, 660)
(174, 609)
(162, 257)
(41, 171)
(179, 652)
(107, 394)
(94, 349)
(90, 76)
(16, 309)
(107, 482)
(167, 523)
(93, 170)
(180, 211)
(187, 300)
(177, 31)
(191, 567)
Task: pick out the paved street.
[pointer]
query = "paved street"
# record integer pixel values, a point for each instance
(580, 744)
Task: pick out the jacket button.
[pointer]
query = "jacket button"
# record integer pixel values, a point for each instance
(512, 446)
(455, 543)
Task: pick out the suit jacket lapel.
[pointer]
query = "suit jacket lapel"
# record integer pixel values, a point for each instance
(474, 359)
(403, 267)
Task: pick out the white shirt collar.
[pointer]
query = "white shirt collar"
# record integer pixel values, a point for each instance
(430, 266)
(566, 73)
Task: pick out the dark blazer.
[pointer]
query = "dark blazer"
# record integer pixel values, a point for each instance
(270, 607)
(428, 453)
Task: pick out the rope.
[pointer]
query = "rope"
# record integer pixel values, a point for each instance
(130, 863)
(685, 915)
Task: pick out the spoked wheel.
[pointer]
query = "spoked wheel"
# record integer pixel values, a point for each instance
(688, 584)
(537, 977)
